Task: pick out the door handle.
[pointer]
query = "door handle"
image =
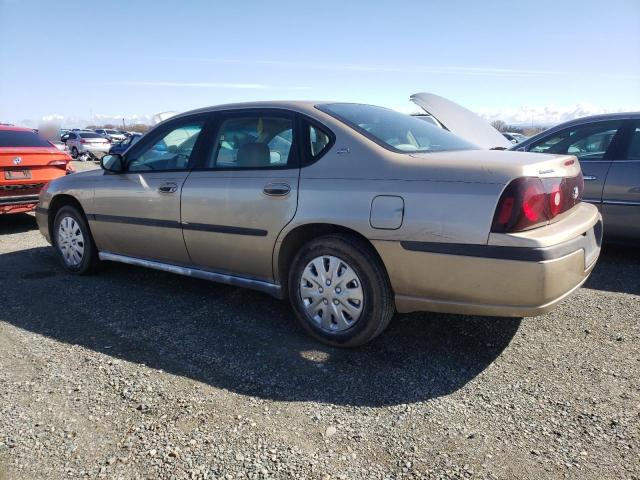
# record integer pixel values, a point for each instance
(168, 188)
(277, 189)
(589, 178)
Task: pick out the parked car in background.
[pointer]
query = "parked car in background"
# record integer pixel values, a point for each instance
(608, 147)
(351, 211)
(514, 137)
(79, 142)
(27, 163)
(114, 136)
(126, 143)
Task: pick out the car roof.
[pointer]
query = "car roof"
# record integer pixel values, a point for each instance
(15, 129)
(601, 117)
(297, 105)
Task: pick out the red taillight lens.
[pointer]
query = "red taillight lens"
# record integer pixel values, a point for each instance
(530, 202)
(58, 163)
(533, 201)
(83, 141)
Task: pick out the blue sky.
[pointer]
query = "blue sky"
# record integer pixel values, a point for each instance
(85, 60)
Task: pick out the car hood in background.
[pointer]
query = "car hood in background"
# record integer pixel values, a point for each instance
(461, 121)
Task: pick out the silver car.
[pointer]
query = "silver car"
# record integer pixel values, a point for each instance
(114, 136)
(80, 142)
(351, 211)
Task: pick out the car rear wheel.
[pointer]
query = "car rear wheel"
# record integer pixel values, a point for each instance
(73, 241)
(74, 152)
(340, 291)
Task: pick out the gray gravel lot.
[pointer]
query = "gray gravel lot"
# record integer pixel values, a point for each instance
(134, 373)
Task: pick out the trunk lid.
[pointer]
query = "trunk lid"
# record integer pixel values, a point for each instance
(29, 156)
(461, 121)
(486, 166)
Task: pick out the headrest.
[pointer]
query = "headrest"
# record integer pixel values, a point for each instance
(254, 155)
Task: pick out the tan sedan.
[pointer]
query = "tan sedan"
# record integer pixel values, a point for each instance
(351, 211)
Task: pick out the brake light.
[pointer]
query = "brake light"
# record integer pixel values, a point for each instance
(83, 141)
(531, 202)
(58, 163)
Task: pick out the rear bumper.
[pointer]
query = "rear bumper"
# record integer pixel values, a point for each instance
(94, 148)
(19, 200)
(495, 280)
(42, 219)
(18, 203)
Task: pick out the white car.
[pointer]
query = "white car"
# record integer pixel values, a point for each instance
(80, 142)
(114, 136)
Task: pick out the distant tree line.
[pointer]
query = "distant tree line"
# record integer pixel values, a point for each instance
(502, 126)
(135, 127)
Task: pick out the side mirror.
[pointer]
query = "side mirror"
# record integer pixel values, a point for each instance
(112, 163)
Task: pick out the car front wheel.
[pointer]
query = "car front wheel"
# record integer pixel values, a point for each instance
(73, 242)
(340, 290)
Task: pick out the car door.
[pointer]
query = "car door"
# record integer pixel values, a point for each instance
(137, 212)
(621, 196)
(71, 141)
(595, 145)
(244, 192)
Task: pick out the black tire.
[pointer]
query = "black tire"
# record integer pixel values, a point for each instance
(377, 305)
(74, 152)
(89, 258)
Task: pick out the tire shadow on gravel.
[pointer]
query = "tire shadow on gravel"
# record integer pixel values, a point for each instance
(240, 340)
(617, 270)
(17, 223)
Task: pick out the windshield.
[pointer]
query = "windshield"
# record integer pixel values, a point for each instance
(395, 131)
(113, 132)
(90, 135)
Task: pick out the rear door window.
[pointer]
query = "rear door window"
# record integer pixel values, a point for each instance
(253, 141)
(587, 142)
(20, 138)
(634, 145)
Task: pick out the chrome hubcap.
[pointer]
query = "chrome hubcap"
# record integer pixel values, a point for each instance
(70, 241)
(331, 293)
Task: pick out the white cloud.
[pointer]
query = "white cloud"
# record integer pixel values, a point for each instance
(134, 83)
(406, 68)
(546, 114)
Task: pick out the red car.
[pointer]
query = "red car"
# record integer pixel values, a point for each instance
(27, 163)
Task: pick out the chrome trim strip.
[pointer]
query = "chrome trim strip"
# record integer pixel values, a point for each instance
(266, 287)
(19, 200)
(153, 222)
(621, 202)
(525, 254)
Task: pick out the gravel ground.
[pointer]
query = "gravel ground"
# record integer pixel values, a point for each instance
(134, 373)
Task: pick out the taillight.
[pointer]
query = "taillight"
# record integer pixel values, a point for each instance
(83, 141)
(531, 202)
(58, 163)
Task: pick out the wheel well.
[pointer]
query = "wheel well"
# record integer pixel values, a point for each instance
(297, 237)
(56, 204)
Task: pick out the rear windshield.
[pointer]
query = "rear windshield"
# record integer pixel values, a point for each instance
(18, 138)
(90, 135)
(112, 132)
(395, 131)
